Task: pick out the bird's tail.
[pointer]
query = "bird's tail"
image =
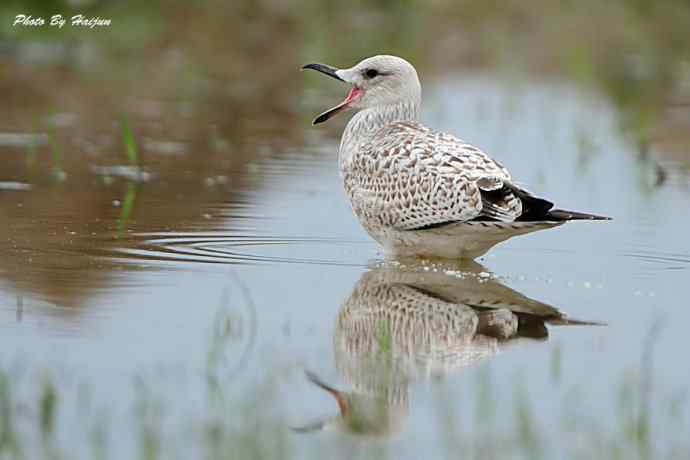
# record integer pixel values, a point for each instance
(561, 215)
(535, 209)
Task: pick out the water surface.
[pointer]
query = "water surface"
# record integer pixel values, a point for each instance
(232, 269)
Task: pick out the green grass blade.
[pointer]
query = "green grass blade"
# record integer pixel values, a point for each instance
(130, 145)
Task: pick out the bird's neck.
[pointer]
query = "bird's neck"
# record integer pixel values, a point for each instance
(366, 122)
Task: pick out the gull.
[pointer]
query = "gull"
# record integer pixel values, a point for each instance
(418, 191)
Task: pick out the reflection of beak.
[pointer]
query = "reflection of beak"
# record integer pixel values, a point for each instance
(339, 396)
(321, 424)
(351, 96)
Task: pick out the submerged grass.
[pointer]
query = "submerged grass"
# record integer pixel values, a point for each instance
(31, 148)
(9, 440)
(251, 425)
(131, 151)
(531, 442)
(48, 406)
(383, 337)
(126, 207)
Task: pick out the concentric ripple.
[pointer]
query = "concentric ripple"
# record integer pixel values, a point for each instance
(215, 248)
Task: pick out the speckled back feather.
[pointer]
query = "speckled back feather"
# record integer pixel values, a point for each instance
(407, 176)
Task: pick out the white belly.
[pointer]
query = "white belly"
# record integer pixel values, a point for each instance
(457, 241)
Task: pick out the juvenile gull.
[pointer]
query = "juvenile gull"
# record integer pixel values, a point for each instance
(418, 191)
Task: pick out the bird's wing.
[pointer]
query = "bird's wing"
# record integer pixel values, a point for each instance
(412, 177)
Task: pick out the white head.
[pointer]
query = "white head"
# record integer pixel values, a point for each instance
(376, 81)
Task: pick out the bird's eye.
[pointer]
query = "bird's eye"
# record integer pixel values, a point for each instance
(371, 73)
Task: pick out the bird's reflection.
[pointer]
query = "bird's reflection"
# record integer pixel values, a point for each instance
(403, 322)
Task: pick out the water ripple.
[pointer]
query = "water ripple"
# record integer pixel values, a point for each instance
(670, 261)
(213, 248)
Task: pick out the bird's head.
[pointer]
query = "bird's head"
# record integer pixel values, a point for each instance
(376, 81)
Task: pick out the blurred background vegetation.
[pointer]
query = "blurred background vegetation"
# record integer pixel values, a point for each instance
(235, 62)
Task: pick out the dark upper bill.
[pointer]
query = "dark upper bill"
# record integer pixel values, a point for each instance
(324, 69)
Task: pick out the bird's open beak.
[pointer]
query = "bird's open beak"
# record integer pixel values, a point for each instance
(334, 73)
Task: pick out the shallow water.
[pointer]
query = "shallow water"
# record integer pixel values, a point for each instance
(103, 280)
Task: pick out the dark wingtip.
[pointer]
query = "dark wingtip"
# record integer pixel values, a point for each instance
(565, 321)
(597, 217)
(563, 215)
